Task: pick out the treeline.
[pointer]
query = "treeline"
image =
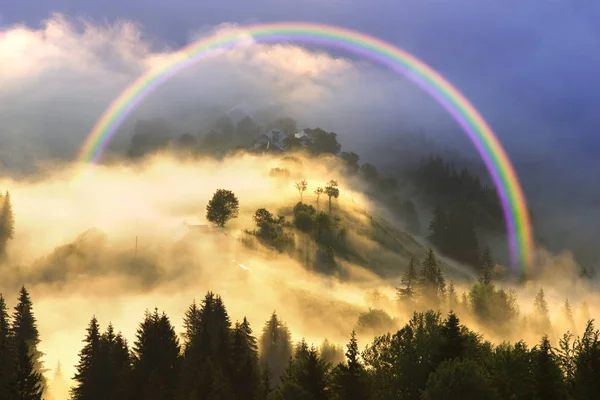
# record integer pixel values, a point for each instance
(430, 357)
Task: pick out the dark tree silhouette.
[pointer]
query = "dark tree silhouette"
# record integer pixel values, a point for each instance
(275, 346)
(7, 223)
(223, 206)
(7, 354)
(156, 359)
(26, 339)
(332, 190)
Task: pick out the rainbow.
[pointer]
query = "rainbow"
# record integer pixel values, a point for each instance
(516, 214)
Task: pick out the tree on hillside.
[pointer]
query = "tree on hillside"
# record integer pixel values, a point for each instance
(306, 375)
(207, 366)
(409, 282)
(223, 206)
(318, 192)
(26, 339)
(431, 281)
(29, 382)
(246, 372)
(438, 229)
(332, 190)
(452, 297)
(7, 223)
(586, 375)
(548, 378)
(246, 129)
(115, 361)
(411, 217)
(459, 379)
(486, 267)
(323, 142)
(275, 346)
(304, 217)
(567, 312)
(351, 161)
(323, 223)
(301, 187)
(60, 386)
(350, 381)
(155, 358)
(541, 311)
(7, 354)
(369, 172)
(331, 352)
(88, 376)
(287, 125)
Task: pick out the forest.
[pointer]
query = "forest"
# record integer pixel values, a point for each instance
(432, 353)
(433, 356)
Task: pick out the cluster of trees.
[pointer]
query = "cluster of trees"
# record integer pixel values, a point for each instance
(275, 231)
(442, 183)
(424, 286)
(430, 357)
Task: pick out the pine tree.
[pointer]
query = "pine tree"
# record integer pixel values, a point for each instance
(541, 311)
(586, 364)
(452, 297)
(307, 372)
(155, 358)
(275, 346)
(438, 229)
(88, 379)
(548, 378)
(60, 387)
(7, 354)
(332, 191)
(7, 223)
(350, 380)
(431, 282)
(191, 323)
(454, 342)
(29, 382)
(115, 364)
(207, 365)
(246, 373)
(568, 314)
(26, 338)
(409, 282)
(486, 267)
(441, 282)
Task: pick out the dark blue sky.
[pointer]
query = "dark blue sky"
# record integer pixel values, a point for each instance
(531, 67)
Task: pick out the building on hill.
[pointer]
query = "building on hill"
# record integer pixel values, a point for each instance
(305, 138)
(269, 142)
(274, 141)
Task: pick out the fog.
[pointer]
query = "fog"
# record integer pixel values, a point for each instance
(71, 64)
(138, 258)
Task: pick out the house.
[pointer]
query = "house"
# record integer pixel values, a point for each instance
(186, 230)
(305, 138)
(269, 142)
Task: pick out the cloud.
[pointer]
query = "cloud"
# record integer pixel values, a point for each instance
(63, 75)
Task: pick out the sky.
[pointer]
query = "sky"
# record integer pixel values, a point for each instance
(530, 67)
